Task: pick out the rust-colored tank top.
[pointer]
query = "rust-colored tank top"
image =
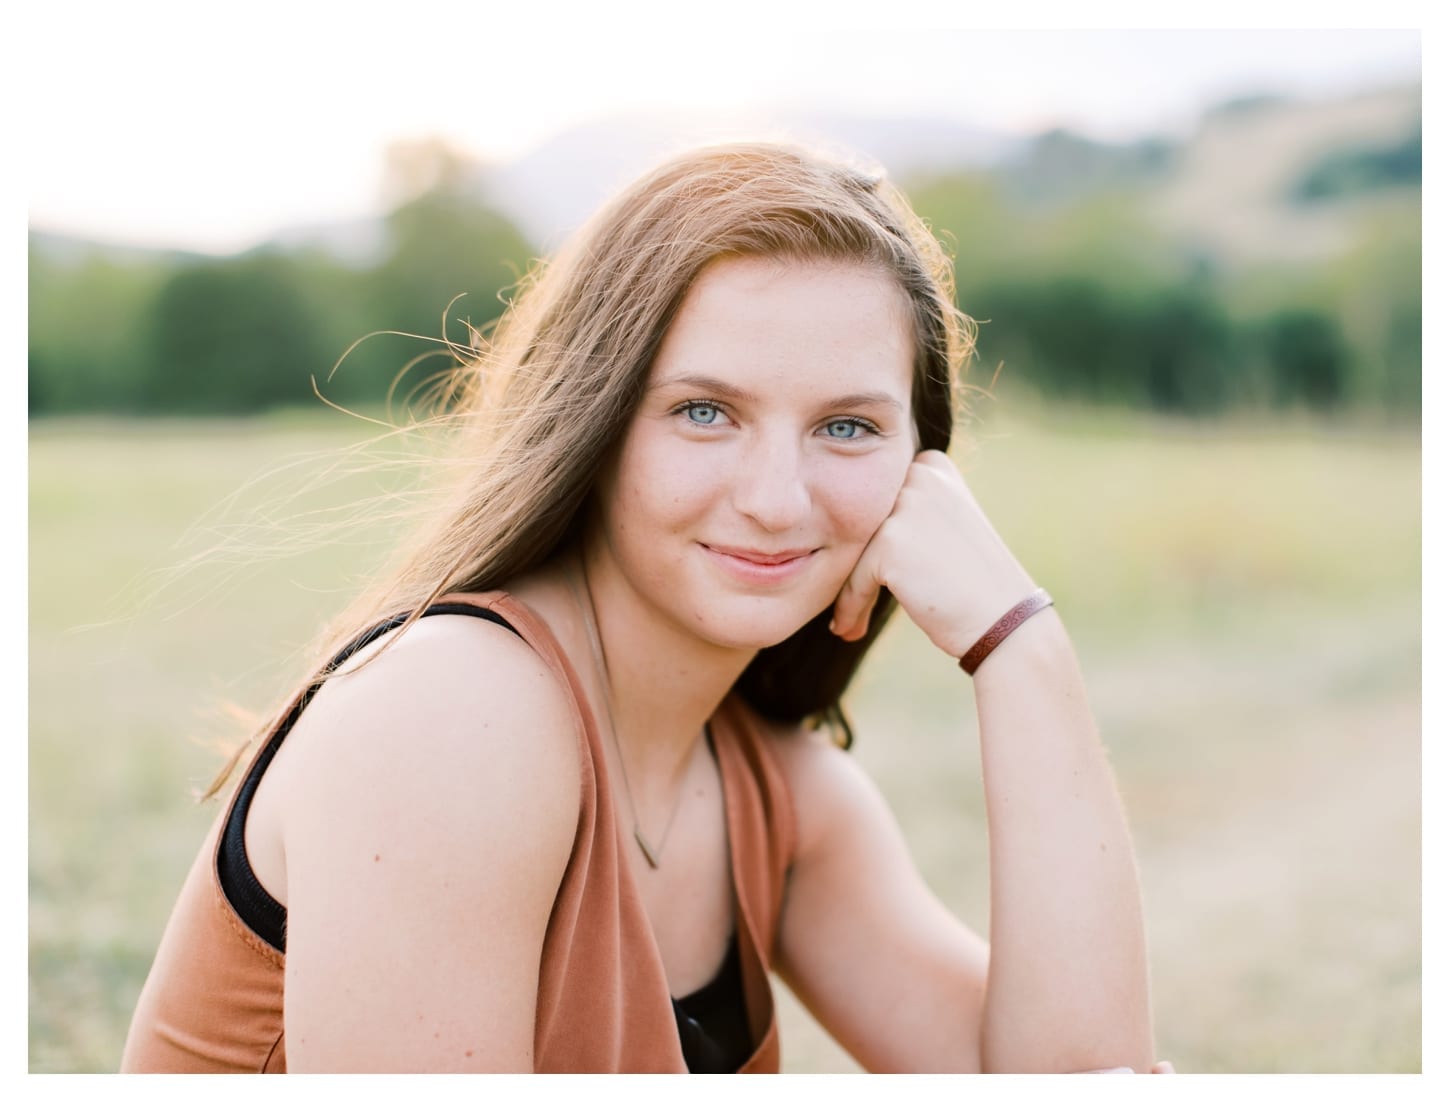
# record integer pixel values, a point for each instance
(213, 1000)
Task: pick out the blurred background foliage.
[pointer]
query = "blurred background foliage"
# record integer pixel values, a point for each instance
(1269, 261)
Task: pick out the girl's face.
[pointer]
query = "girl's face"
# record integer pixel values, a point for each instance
(771, 442)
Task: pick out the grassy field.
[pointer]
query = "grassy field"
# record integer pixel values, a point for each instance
(1245, 600)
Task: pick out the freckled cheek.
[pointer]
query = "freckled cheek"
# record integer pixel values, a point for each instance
(667, 486)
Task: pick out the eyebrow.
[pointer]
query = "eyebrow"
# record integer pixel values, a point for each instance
(730, 390)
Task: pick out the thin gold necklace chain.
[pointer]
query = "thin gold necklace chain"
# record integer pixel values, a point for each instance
(652, 853)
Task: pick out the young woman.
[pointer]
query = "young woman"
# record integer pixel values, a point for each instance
(568, 794)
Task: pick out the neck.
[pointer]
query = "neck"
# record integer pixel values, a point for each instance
(663, 683)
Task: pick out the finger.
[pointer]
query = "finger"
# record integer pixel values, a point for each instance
(857, 598)
(853, 607)
(936, 458)
(1164, 1067)
(942, 464)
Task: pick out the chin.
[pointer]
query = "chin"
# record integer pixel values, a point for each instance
(754, 628)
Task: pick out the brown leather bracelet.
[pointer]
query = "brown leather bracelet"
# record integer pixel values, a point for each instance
(1004, 627)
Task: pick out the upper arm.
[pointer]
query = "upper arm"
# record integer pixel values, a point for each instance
(429, 809)
(879, 961)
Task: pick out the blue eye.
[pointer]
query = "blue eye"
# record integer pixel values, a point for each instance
(848, 428)
(701, 413)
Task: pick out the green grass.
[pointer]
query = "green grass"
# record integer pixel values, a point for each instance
(1245, 600)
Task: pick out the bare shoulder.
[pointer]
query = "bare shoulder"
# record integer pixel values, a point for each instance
(432, 792)
(452, 701)
(447, 690)
(431, 747)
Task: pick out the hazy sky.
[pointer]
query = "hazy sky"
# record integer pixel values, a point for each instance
(152, 124)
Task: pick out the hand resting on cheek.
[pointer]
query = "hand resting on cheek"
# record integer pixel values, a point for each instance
(940, 557)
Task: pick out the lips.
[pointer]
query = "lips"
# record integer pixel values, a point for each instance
(760, 558)
(755, 567)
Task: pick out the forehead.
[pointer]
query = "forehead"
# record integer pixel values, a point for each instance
(764, 316)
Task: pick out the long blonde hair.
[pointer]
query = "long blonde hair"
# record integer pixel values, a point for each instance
(536, 412)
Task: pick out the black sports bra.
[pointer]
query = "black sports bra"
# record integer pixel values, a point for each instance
(714, 1030)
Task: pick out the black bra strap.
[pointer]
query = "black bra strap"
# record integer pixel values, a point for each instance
(253, 903)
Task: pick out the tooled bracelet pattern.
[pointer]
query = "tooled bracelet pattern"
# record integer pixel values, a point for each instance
(1004, 627)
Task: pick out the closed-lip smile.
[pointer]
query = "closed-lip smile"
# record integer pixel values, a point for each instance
(761, 558)
(753, 567)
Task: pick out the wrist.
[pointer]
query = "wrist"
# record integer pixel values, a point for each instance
(1011, 621)
(1039, 650)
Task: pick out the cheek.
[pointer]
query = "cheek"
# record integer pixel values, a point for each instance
(661, 484)
(861, 501)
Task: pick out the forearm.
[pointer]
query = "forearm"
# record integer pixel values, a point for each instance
(1068, 982)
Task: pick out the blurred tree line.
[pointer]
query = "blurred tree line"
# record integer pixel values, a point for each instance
(1080, 299)
(187, 334)
(1087, 300)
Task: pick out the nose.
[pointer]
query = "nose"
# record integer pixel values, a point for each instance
(770, 485)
